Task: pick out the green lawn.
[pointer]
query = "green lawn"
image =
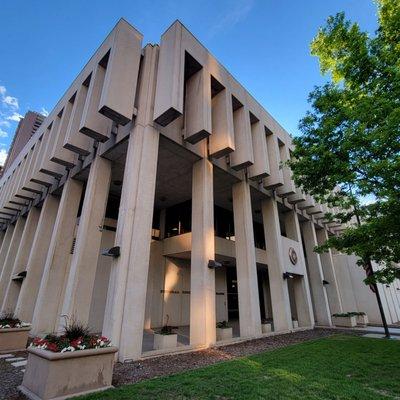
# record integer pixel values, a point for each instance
(338, 367)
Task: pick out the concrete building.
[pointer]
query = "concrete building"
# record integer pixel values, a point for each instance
(26, 128)
(157, 157)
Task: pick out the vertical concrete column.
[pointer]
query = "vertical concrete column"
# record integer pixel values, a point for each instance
(48, 271)
(78, 292)
(249, 305)
(278, 286)
(275, 179)
(222, 140)
(198, 107)
(36, 260)
(243, 155)
(21, 259)
(5, 245)
(332, 289)
(10, 257)
(315, 274)
(202, 278)
(126, 298)
(305, 314)
(2, 235)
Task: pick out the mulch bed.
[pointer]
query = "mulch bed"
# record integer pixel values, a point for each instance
(141, 370)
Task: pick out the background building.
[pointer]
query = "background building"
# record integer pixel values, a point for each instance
(26, 128)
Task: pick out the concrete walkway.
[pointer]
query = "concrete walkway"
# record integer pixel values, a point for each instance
(377, 330)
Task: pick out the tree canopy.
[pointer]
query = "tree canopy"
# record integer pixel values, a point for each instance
(349, 150)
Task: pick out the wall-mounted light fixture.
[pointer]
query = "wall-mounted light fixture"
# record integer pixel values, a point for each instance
(112, 252)
(19, 277)
(324, 282)
(287, 275)
(214, 264)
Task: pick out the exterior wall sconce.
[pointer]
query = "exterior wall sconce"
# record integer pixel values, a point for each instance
(287, 275)
(324, 282)
(112, 252)
(19, 277)
(212, 264)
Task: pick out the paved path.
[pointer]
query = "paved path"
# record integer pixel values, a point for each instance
(378, 329)
(12, 368)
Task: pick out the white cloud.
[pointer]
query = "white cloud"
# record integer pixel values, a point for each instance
(5, 123)
(8, 111)
(44, 112)
(9, 101)
(237, 13)
(14, 117)
(3, 156)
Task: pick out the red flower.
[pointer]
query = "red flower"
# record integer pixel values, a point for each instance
(52, 347)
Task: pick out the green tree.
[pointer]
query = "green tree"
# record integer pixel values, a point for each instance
(349, 149)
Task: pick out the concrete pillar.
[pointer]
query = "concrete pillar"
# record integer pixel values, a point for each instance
(198, 107)
(278, 286)
(5, 245)
(332, 289)
(21, 259)
(48, 271)
(2, 235)
(78, 292)
(222, 140)
(119, 89)
(275, 179)
(288, 187)
(243, 155)
(126, 298)
(260, 168)
(94, 124)
(36, 260)
(249, 306)
(202, 278)
(305, 313)
(315, 275)
(10, 257)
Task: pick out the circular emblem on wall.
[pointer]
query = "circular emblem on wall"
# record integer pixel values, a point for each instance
(292, 255)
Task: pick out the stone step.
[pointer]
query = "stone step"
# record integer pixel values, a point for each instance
(15, 359)
(19, 363)
(6, 355)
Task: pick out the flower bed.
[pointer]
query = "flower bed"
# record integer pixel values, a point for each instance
(13, 333)
(9, 321)
(61, 344)
(75, 362)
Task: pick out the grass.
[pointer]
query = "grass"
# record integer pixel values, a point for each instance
(338, 367)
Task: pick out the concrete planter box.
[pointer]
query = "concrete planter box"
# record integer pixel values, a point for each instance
(14, 338)
(295, 324)
(165, 341)
(56, 376)
(347, 322)
(224, 333)
(266, 328)
(362, 320)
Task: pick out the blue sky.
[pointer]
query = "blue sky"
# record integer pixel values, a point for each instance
(263, 43)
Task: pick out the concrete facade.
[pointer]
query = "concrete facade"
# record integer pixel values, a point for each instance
(155, 193)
